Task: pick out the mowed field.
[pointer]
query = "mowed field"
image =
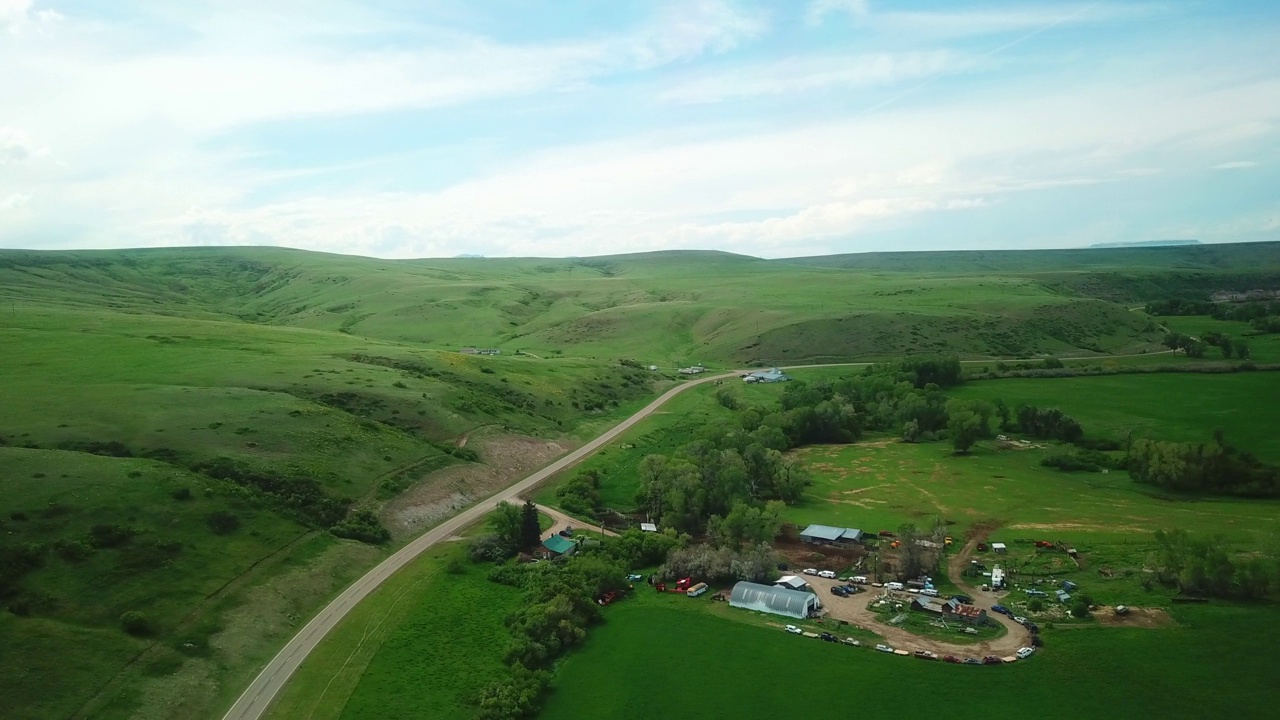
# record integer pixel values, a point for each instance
(660, 655)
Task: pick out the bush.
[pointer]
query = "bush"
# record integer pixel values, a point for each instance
(1035, 605)
(1080, 609)
(135, 623)
(109, 536)
(455, 566)
(490, 548)
(222, 522)
(73, 550)
(362, 525)
(181, 494)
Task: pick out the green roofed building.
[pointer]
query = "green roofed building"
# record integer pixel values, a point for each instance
(556, 546)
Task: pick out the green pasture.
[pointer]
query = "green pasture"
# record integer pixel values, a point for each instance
(1167, 406)
(655, 655)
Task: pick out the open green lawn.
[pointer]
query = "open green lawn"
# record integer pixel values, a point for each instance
(1174, 406)
(658, 655)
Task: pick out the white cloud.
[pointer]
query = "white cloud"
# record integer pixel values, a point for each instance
(13, 201)
(818, 10)
(815, 73)
(1235, 165)
(16, 146)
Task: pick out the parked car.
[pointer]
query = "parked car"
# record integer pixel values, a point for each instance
(793, 629)
(810, 571)
(1025, 652)
(851, 641)
(886, 533)
(926, 655)
(1020, 620)
(634, 576)
(862, 580)
(1037, 593)
(1002, 610)
(567, 532)
(965, 599)
(828, 637)
(951, 659)
(894, 585)
(991, 660)
(930, 592)
(839, 590)
(884, 648)
(982, 547)
(972, 661)
(828, 574)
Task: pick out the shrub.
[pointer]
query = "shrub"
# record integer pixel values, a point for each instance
(1035, 605)
(73, 550)
(399, 384)
(109, 536)
(454, 566)
(1080, 609)
(490, 548)
(135, 623)
(181, 494)
(222, 522)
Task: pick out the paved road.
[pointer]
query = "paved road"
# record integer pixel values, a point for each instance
(262, 691)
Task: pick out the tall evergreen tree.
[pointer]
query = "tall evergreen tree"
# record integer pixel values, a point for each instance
(530, 532)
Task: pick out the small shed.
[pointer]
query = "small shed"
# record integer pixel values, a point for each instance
(649, 527)
(970, 614)
(1069, 586)
(556, 546)
(790, 582)
(773, 600)
(1064, 596)
(998, 547)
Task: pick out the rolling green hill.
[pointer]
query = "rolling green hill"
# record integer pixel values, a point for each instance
(191, 435)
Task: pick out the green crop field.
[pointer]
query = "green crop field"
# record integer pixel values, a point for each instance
(659, 655)
(183, 428)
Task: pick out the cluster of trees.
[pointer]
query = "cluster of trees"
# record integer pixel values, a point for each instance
(1247, 311)
(1190, 346)
(1077, 460)
(362, 525)
(1180, 306)
(1215, 467)
(560, 604)
(1048, 424)
(1269, 324)
(967, 421)
(746, 524)
(1227, 345)
(580, 494)
(757, 563)
(515, 528)
(1202, 566)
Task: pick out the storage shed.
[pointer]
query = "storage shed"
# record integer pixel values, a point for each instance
(773, 600)
(827, 535)
(791, 582)
(998, 547)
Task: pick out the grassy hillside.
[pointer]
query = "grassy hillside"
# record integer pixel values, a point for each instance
(662, 308)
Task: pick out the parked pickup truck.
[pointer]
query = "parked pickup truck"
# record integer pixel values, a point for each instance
(1002, 610)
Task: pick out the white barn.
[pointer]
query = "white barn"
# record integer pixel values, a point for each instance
(773, 600)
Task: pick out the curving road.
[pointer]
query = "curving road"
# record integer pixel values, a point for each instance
(262, 691)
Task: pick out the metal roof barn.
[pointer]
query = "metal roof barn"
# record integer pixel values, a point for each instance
(826, 533)
(773, 600)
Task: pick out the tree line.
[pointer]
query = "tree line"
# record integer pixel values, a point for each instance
(1215, 467)
(1203, 566)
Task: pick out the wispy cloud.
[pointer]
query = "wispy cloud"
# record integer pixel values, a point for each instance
(1235, 165)
(961, 21)
(816, 73)
(818, 10)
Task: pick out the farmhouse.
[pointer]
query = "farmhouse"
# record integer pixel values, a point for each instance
(556, 546)
(771, 375)
(827, 535)
(773, 600)
(791, 582)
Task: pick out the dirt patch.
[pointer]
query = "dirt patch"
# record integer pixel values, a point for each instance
(1080, 527)
(1137, 617)
(441, 494)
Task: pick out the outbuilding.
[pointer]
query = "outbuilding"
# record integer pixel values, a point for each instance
(827, 535)
(649, 527)
(556, 546)
(998, 547)
(773, 600)
(791, 582)
(772, 375)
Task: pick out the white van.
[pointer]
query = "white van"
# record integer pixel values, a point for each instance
(859, 579)
(894, 586)
(930, 592)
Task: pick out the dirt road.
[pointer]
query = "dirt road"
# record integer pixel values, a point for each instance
(561, 521)
(855, 611)
(262, 691)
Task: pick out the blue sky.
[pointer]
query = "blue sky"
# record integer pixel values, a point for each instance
(431, 128)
